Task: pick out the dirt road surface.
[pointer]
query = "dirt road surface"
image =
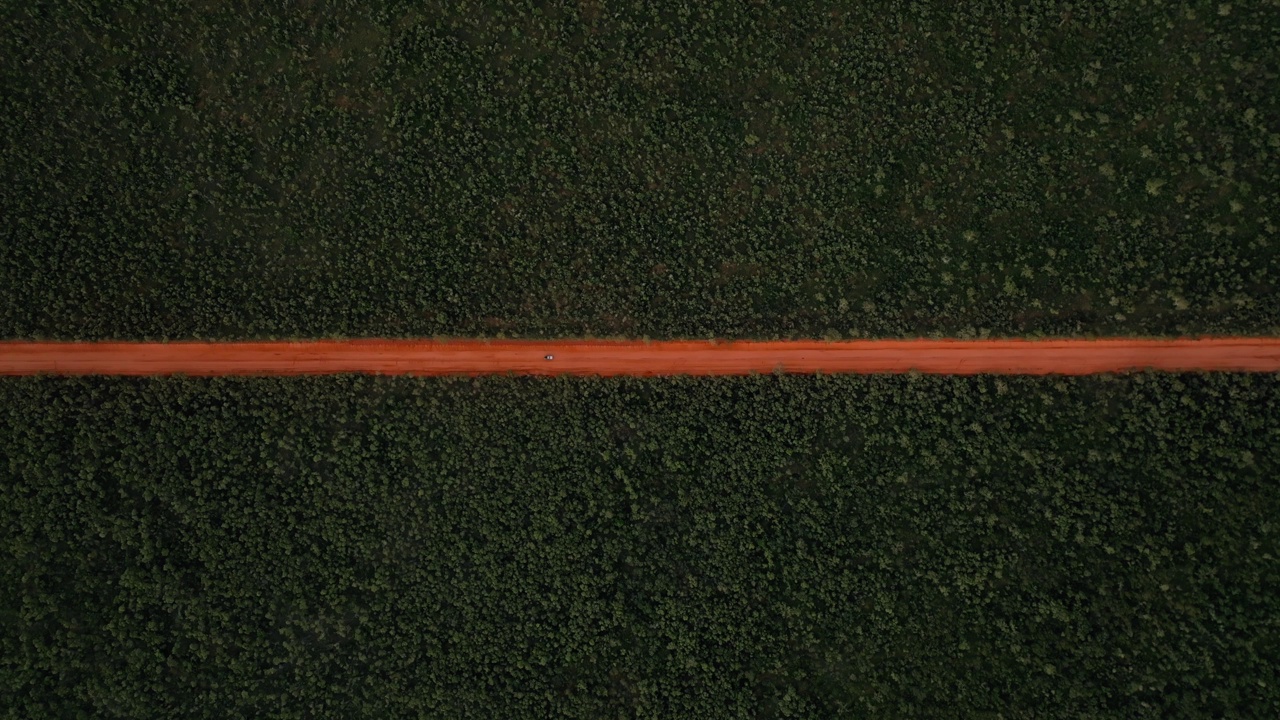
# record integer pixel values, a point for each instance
(607, 358)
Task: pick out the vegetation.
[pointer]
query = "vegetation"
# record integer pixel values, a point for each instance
(732, 169)
(777, 546)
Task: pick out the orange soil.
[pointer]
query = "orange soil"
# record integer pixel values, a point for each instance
(597, 357)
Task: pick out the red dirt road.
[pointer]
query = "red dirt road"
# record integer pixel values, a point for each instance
(606, 358)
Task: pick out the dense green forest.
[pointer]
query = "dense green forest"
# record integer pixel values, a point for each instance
(177, 169)
(774, 546)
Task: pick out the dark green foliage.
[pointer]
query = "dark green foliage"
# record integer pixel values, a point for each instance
(766, 547)
(730, 169)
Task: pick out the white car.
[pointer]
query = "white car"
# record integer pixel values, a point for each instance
(550, 357)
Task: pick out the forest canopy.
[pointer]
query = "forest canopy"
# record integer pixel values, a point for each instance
(775, 546)
(798, 169)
